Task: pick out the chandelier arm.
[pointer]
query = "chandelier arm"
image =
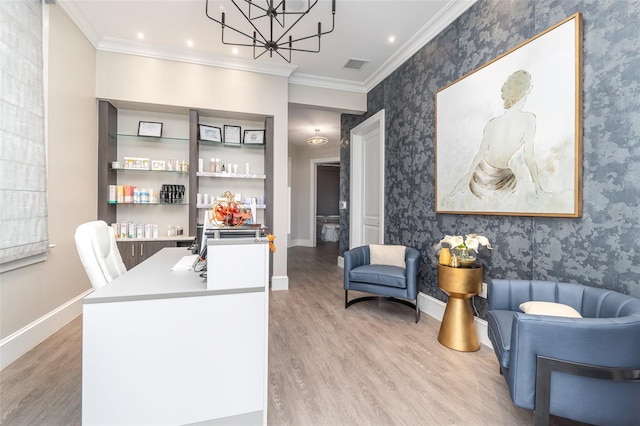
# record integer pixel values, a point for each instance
(283, 57)
(333, 24)
(224, 25)
(304, 12)
(291, 27)
(270, 53)
(295, 49)
(228, 43)
(251, 3)
(239, 32)
(283, 13)
(316, 35)
(311, 36)
(249, 20)
(254, 52)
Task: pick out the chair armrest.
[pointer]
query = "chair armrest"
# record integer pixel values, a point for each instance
(610, 342)
(412, 264)
(353, 258)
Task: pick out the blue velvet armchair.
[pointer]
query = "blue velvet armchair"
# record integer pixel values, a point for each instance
(586, 369)
(392, 283)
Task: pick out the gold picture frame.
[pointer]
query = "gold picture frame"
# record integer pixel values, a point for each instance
(509, 134)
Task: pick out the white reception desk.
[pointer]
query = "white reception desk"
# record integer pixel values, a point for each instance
(166, 347)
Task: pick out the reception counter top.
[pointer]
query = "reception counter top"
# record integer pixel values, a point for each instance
(154, 279)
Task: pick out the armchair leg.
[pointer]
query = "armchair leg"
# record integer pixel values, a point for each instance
(348, 302)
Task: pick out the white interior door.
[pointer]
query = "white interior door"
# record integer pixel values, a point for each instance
(367, 182)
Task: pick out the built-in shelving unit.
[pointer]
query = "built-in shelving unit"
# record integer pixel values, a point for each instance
(179, 143)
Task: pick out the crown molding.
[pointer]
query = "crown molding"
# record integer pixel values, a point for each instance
(327, 83)
(435, 26)
(446, 16)
(79, 18)
(115, 45)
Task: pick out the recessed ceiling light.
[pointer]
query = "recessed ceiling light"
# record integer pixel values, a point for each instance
(392, 39)
(235, 50)
(190, 43)
(141, 35)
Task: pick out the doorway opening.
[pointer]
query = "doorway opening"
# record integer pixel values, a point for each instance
(324, 197)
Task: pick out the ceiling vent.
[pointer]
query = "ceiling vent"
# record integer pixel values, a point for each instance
(355, 64)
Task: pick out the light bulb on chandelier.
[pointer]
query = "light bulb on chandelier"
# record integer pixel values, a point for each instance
(317, 139)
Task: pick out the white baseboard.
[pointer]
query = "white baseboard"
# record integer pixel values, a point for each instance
(19, 343)
(341, 261)
(301, 243)
(435, 308)
(279, 283)
(22, 341)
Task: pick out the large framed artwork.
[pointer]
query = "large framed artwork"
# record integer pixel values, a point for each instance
(509, 134)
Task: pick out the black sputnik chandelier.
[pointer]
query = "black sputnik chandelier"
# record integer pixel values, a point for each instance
(279, 38)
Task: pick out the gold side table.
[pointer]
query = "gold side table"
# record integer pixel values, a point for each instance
(457, 330)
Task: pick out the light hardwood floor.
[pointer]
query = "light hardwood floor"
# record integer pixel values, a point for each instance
(367, 365)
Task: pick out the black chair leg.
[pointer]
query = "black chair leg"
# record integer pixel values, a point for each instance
(415, 306)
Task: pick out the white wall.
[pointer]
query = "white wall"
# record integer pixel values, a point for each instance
(30, 297)
(301, 157)
(324, 98)
(28, 294)
(131, 78)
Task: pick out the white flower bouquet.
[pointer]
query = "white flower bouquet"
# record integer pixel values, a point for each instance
(461, 251)
(471, 241)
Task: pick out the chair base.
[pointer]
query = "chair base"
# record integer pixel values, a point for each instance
(415, 306)
(546, 365)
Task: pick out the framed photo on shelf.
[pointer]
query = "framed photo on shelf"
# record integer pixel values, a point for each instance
(232, 134)
(210, 133)
(253, 137)
(157, 165)
(150, 129)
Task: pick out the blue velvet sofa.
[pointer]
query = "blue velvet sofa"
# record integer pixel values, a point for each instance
(604, 343)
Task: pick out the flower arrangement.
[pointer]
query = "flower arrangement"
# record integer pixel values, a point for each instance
(472, 242)
(461, 248)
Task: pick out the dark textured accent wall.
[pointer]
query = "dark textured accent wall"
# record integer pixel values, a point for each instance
(600, 249)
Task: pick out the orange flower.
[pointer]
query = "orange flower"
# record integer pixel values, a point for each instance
(272, 246)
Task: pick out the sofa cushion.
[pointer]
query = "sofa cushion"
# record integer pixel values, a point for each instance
(383, 254)
(549, 308)
(390, 276)
(500, 323)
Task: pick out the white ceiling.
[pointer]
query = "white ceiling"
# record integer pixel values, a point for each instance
(362, 29)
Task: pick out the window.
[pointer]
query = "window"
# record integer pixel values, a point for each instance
(23, 173)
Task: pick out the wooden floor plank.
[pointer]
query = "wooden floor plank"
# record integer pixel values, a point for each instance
(366, 365)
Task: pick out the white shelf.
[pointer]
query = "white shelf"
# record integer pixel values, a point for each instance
(231, 175)
(208, 206)
(122, 169)
(160, 238)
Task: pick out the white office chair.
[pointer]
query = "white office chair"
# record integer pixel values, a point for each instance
(98, 251)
